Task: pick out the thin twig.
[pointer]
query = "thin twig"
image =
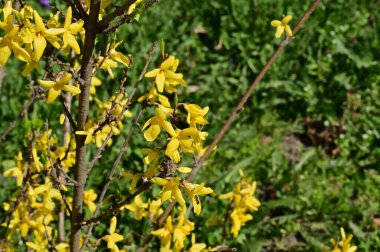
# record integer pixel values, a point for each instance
(36, 94)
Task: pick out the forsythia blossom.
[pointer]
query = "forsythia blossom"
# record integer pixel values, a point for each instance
(344, 244)
(282, 26)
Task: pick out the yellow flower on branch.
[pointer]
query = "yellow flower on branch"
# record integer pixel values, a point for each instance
(11, 42)
(138, 207)
(196, 114)
(282, 26)
(193, 191)
(166, 73)
(41, 34)
(55, 87)
(153, 126)
(71, 29)
(170, 189)
(113, 237)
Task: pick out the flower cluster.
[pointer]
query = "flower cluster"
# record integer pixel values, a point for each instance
(244, 201)
(26, 35)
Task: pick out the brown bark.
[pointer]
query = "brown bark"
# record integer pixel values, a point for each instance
(80, 162)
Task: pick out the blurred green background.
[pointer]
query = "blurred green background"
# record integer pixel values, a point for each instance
(309, 136)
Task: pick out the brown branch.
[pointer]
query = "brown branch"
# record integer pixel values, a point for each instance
(80, 158)
(110, 176)
(234, 113)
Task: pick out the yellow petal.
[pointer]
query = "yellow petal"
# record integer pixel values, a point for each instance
(152, 132)
(46, 84)
(197, 205)
(5, 52)
(279, 31)
(75, 27)
(54, 31)
(73, 43)
(172, 148)
(178, 196)
(71, 89)
(288, 30)
(53, 93)
(166, 195)
(20, 52)
(168, 62)
(113, 225)
(68, 17)
(160, 81)
(275, 23)
(38, 22)
(152, 73)
(39, 44)
(159, 181)
(184, 169)
(119, 57)
(286, 19)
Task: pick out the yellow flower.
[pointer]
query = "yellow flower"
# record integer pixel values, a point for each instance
(134, 177)
(177, 232)
(17, 171)
(154, 124)
(55, 87)
(193, 190)
(344, 244)
(185, 139)
(89, 198)
(196, 247)
(170, 189)
(166, 72)
(113, 237)
(11, 42)
(138, 207)
(239, 218)
(41, 34)
(118, 56)
(195, 114)
(151, 97)
(282, 25)
(71, 29)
